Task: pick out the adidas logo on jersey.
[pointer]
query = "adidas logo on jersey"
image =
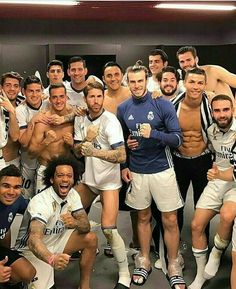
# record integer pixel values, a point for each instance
(131, 117)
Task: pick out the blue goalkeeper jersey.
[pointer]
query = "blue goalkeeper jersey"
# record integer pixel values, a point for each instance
(153, 154)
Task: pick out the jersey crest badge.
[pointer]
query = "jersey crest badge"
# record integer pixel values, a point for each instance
(150, 115)
(10, 217)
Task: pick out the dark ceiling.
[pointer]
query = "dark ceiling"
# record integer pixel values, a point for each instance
(118, 11)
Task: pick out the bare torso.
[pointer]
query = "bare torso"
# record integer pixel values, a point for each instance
(111, 102)
(190, 123)
(213, 84)
(57, 147)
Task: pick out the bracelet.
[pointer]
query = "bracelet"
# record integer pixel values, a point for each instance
(51, 260)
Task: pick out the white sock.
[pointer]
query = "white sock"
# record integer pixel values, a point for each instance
(201, 258)
(118, 249)
(213, 263)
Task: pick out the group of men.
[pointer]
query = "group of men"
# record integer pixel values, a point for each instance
(161, 140)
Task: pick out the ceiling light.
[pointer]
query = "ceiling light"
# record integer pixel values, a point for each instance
(41, 2)
(196, 6)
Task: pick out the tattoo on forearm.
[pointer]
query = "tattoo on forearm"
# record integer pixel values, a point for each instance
(114, 156)
(83, 226)
(35, 241)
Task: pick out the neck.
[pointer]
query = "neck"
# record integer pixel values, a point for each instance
(94, 115)
(78, 86)
(193, 103)
(154, 77)
(114, 93)
(13, 102)
(60, 113)
(168, 97)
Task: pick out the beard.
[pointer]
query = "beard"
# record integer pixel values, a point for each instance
(226, 123)
(168, 93)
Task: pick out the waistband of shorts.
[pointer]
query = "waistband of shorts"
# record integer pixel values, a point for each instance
(177, 154)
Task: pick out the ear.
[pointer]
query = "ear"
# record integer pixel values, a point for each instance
(196, 59)
(47, 75)
(68, 71)
(51, 180)
(165, 63)
(86, 71)
(103, 79)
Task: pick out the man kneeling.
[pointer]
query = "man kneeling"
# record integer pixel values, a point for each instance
(56, 225)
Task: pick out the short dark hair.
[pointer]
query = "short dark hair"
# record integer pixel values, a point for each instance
(160, 52)
(10, 171)
(74, 59)
(111, 64)
(171, 69)
(55, 62)
(56, 85)
(93, 85)
(11, 74)
(32, 79)
(62, 160)
(196, 70)
(185, 49)
(222, 97)
(137, 68)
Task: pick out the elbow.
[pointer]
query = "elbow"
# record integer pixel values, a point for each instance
(85, 229)
(122, 160)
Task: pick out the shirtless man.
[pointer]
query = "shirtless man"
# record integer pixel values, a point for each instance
(115, 92)
(219, 79)
(194, 116)
(158, 59)
(49, 140)
(10, 86)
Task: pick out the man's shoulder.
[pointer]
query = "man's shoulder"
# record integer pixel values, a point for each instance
(128, 102)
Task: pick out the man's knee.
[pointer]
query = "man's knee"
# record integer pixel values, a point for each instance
(24, 270)
(144, 217)
(170, 220)
(227, 215)
(91, 240)
(196, 226)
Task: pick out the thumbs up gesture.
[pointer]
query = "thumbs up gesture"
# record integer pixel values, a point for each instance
(213, 173)
(5, 271)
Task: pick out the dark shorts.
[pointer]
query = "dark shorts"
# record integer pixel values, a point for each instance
(12, 255)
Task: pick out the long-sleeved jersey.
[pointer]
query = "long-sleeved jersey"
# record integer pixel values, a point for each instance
(153, 154)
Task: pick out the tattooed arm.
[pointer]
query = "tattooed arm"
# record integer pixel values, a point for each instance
(92, 133)
(35, 242)
(117, 155)
(77, 220)
(37, 246)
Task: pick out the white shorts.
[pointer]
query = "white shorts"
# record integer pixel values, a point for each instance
(44, 278)
(215, 194)
(39, 179)
(28, 186)
(162, 187)
(15, 162)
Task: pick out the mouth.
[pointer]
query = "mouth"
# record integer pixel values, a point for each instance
(9, 199)
(64, 188)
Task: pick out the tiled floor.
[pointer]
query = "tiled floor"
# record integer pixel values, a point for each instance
(105, 270)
